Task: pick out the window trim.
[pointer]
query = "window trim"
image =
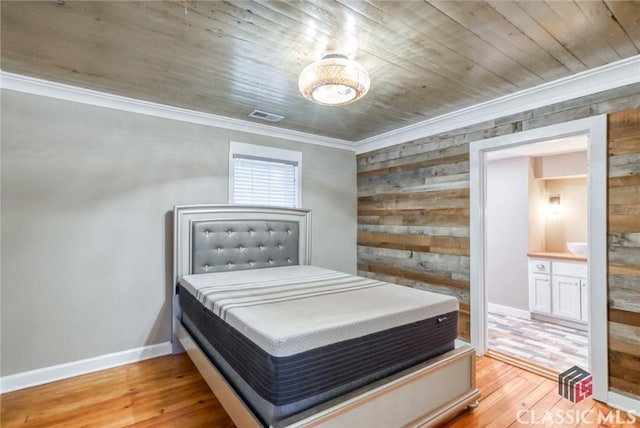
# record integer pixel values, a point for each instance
(269, 154)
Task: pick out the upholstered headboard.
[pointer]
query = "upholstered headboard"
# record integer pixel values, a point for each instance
(243, 244)
(215, 238)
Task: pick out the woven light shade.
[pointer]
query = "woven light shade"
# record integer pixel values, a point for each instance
(334, 80)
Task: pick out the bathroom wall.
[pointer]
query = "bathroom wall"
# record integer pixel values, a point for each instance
(561, 175)
(507, 232)
(537, 214)
(570, 223)
(562, 165)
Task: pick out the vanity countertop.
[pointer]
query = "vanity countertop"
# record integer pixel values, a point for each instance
(557, 256)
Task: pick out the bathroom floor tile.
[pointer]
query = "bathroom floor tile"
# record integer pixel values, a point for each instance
(551, 345)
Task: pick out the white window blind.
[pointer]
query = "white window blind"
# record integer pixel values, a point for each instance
(264, 181)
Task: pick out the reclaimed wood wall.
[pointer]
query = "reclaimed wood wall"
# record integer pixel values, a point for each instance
(413, 218)
(624, 251)
(413, 214)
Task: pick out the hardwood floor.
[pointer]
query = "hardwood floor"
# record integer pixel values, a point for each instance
(168, 391)
(512, 397)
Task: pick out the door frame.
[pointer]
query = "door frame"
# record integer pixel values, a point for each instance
(596, 128)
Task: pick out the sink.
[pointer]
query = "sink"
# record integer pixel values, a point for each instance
(578, 248)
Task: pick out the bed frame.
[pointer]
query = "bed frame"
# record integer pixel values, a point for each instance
(423, 395)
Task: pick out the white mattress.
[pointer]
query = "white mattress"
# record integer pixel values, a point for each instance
(292, 309)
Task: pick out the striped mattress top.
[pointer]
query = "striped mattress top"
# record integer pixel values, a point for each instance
(291, 309)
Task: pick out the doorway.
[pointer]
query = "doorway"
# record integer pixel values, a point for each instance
(596, 307)
(536, 270)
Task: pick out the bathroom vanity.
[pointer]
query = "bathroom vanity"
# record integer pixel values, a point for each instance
(558, 288)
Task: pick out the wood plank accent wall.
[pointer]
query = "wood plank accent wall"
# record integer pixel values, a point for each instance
(624, 251)
(413, 214)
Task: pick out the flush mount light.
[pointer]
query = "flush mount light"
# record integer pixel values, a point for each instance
(334, 80)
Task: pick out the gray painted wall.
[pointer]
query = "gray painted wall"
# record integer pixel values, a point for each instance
(508, 232)
(86, 230)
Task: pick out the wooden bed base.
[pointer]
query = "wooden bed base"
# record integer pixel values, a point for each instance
(421, 396)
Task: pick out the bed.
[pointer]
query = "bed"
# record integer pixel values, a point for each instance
(283, 343)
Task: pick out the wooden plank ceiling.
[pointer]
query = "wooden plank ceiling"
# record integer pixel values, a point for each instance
(228, 58)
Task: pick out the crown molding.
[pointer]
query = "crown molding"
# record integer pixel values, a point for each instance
(610, 76)
(46, 88)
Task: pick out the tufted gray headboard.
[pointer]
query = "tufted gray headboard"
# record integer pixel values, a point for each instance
(214, 238)
(243, 244)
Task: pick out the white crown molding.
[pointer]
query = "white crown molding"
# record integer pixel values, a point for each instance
(63, 371)
(610, 76)
(46, 88)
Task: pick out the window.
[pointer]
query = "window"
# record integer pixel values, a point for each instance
(260, 175)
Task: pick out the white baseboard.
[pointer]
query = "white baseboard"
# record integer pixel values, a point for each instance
(624, 403)
(509, 311)
(63, 371)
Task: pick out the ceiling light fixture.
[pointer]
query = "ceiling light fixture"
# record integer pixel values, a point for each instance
(334, 80)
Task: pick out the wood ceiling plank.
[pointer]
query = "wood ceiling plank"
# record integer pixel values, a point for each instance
(485, 22)
(62, 54)
(241, 40)
(422, 47)
(431, 20)
(529, 26)
(570, 28)
(270, 40)
(110, 43)
(426, 26)
(327, 31)
(627, 14)
(583, 28)
(604, 23)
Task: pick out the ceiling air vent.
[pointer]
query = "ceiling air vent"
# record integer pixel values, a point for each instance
(269, 117)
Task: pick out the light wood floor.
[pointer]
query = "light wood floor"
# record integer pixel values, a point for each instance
(168, 391)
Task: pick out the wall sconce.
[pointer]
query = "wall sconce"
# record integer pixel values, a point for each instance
(553, 206)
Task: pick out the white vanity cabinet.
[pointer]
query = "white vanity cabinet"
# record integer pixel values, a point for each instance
(558, 288)
(540, 286)
(565, 296)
